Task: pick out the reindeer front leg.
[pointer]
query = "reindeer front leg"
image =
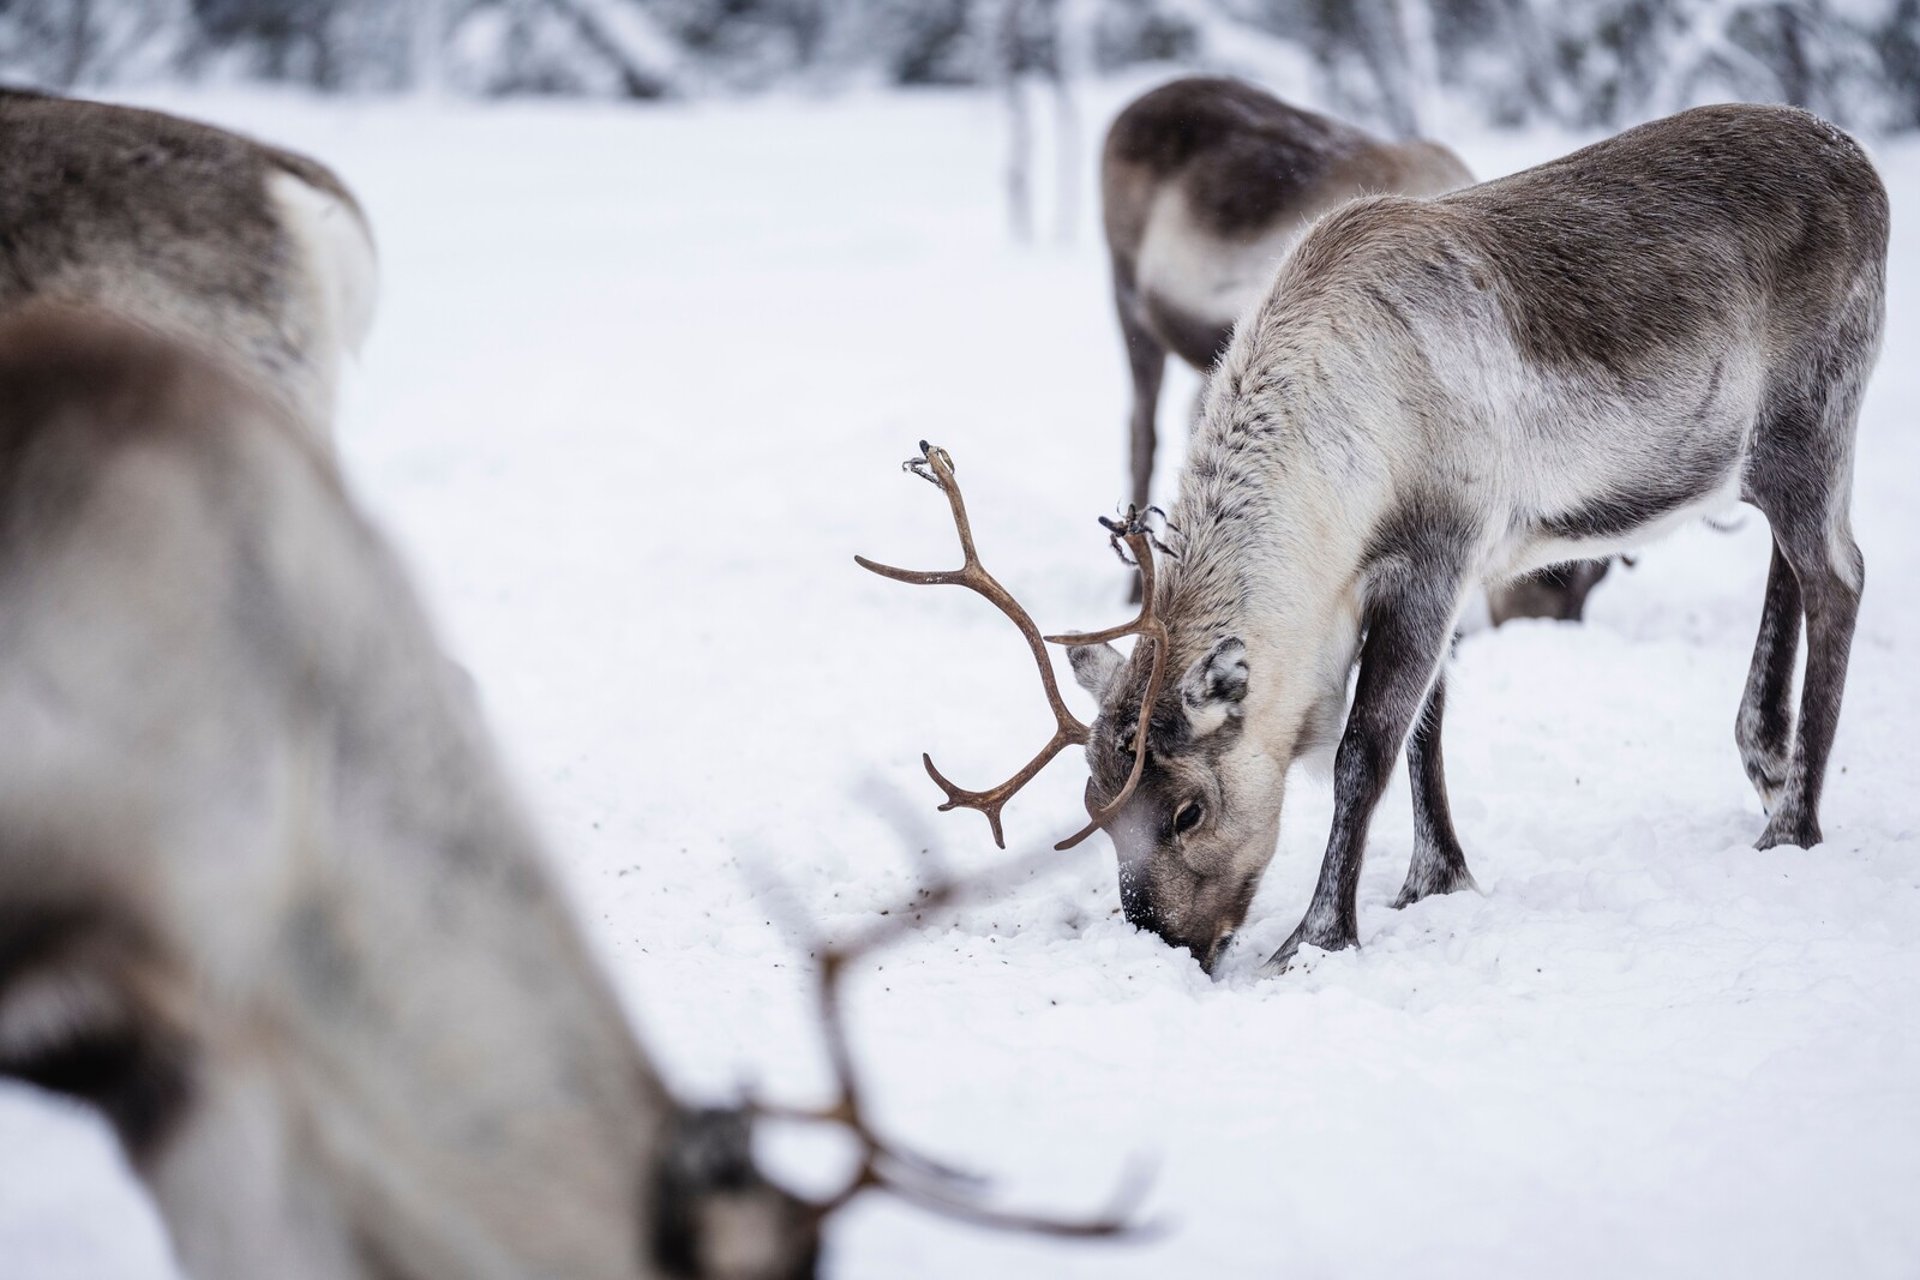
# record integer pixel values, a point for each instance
(1410, 615)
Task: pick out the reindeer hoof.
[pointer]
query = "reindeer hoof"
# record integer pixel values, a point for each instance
(1768, 784)
(1331, 938)
(1426, 881)
(1786, 828)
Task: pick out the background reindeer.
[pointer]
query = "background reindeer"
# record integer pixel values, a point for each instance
(261, 255)
(1205, 184)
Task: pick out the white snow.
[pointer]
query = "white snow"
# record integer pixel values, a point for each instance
(639, 388)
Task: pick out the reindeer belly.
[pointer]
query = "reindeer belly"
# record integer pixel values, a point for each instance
(1611, 526)
(1628, 474)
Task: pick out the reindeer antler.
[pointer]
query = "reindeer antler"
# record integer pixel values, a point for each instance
(1135, 532)
(887, 1167)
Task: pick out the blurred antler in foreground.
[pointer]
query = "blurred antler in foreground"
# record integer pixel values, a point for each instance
(886, 1166)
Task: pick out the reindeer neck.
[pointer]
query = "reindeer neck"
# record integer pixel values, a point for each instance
(1271, 522)
(1279, 495)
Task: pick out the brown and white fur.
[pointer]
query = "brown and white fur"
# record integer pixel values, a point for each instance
(266, 900)
(259, 255)
(1206, 183)
(1435, 393)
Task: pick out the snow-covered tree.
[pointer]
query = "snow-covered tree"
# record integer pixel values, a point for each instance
(1587, 63)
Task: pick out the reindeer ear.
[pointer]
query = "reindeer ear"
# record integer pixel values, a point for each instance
(1095, 666)
(1214, 686)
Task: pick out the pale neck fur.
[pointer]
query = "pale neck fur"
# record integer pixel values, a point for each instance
(1277, 500)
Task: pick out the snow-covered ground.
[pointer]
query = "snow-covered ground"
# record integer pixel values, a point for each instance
(639, 388)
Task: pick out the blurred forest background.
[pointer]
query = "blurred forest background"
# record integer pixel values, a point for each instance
(1577, 63)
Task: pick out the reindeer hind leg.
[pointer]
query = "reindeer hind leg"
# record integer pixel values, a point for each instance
(1831, 602)
(1764, 729)
(1801, 478)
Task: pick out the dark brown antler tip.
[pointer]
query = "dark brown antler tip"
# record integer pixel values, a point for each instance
(918, 577)
(961, 798)
(1077, 837)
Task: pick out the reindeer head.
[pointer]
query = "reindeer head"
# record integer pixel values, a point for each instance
(1198, 828)
(1192, 808)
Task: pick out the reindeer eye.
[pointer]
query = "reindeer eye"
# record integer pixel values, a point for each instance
(1188, 818)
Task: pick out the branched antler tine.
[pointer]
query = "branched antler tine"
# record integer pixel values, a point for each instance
(1146, 622)
(1093, 824)
(994, 799)
(893, 1169)
(848, 1110)
(934, 464)
(918, 577)
(834, 961)
(1113, 1221)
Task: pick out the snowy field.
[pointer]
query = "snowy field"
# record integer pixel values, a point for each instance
(638, 390)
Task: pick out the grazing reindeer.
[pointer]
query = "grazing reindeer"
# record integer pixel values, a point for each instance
(1436, 393)
(260, 254)
(266, 901)
(1205, 185)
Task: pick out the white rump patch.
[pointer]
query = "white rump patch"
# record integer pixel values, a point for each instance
(339, 255)
(1211, 280)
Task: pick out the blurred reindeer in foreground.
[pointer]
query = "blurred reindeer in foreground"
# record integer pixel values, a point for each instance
(264, 896)
(260, 256)
(266, 900)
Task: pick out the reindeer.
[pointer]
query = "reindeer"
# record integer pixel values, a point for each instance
(259, 254)
(1205, 184)
(265, 900)
(268, 904)
(1438, 392)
